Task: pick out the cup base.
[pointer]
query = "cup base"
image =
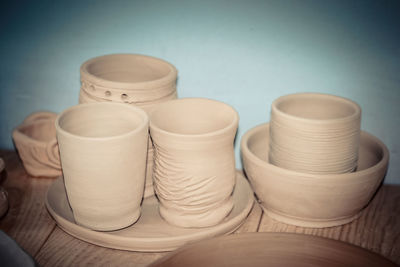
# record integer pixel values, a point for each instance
(102, 226)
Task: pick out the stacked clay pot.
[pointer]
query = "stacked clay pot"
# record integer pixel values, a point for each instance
(315, 133)
(312, 166)
(133, 79)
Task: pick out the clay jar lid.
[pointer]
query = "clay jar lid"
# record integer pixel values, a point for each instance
(315, 133)
(116, 76)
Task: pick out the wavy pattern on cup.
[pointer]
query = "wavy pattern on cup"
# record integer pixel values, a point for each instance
(194, 172)
(139, 80)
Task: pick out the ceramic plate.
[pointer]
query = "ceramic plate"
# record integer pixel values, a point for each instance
(150, 233)
(272, 249)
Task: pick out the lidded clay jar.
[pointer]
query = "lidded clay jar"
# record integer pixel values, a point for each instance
(315, 133)
(140, 80)
(194, 171)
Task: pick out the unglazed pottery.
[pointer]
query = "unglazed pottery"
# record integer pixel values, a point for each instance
(194, 171)
(129, 78)
(35, 140)
(312, 200)
(315, 133)
(150, 233)
(103, 148)
(272, 249)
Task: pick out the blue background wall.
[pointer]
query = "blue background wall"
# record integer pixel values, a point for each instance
(245, 53)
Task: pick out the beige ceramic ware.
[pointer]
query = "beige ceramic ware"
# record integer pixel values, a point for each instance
(194, 172)
(272, 249)
(311, 200)
(103, 148)
(35, 140)
(315, 133)
(150, 233)
(129, 78)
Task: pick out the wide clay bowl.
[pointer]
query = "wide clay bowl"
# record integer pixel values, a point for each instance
(312, 200)
(271, 249)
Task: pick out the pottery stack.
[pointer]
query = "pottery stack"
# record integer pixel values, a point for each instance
(312, 166)
(315, 133)
(140, 80)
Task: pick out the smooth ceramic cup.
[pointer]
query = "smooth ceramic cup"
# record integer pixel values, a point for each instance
(129, 78)
(315, 133)
(103, 148)
(35, 140)
(194, 172)
(312, 200)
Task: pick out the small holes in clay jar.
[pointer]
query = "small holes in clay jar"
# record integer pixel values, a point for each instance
(124, 96)
(107, 93)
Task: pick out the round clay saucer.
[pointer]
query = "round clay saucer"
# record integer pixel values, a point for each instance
(272, 249)
(150, 233)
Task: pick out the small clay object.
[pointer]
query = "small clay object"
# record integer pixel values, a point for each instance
(35, 140)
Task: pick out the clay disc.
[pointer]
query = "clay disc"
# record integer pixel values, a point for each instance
(150, 233)
(272, 249)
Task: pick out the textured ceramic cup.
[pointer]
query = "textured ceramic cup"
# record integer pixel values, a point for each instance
(103, 149)
(35, 140)
(315, 133)
(129, 78)
(312, 200)
(194, 171)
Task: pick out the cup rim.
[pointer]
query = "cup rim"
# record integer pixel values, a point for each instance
(232, 124)
(245, 150)
(137, 110)
(168, 78)
(347, 101)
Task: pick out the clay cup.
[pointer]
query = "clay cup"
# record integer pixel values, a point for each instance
(315, 133)
(103, 149)
(194, 171)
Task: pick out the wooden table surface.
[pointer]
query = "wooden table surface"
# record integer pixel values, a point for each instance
(29, 223)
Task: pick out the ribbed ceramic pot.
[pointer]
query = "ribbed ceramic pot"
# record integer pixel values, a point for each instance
(35, 140)
(103, 148)
(140, 80)
(194, 172)
(315, 133)
(312, 200)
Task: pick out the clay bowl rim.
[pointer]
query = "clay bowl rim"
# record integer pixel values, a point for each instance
(356, 114)
(301, 175)
(139, 111)
(233, 124)
(171, 76)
